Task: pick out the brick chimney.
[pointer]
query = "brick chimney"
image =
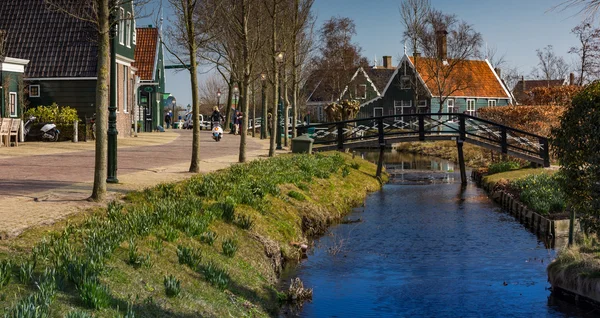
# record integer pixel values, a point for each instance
(387, 62)
(441, 42)
(523, 83)
(571, 79)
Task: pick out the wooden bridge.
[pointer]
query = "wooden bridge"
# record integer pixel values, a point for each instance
(387, 130)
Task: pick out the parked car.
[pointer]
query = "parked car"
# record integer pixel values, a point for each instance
(189, 124)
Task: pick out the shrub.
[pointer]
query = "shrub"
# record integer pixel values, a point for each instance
(229, 247)
(172, 285)
(503, 166)
(53, 113)
(296, 195)
(541, 192)
(93, 294)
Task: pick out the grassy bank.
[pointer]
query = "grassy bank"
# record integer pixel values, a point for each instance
(212, 245)
(475, 156)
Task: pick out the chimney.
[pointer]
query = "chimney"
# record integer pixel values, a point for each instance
(523, 83)
(498, 72)
(571, 79)
(442, 47)
(416, 54)
(387, 62)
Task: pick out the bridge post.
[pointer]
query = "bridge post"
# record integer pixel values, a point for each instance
(381, 147)
(462, 130)
(545, 151)
(504, 141)
(421, 127)
(340, 136)
(461, 161)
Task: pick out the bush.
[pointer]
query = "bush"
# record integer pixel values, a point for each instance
(172, 285)
(541, 192)
(53, 113)
(503, 166)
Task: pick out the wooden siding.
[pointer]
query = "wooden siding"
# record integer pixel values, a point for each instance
(351, 92)
(79, 94)
(11, 82)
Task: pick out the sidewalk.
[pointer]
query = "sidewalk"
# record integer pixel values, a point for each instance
(44, 182)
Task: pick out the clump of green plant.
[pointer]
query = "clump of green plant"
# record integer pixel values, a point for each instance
(135, 258)
(227, 208)
(541, 192)
(302, 186)
(5, 272)
(296, 195)
(503, 166)
(345, 171)
(78, 314)
(215, 276)
(170, 234)
(244, 222)
(172, 285)
(93, 294)
(36, 304)
(355, 165)
(208, 237)
(157, 245)
(229, 247)
(189, 256)
(26, 272)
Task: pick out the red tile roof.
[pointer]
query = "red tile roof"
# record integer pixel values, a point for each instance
(145, 52)
(479, 77)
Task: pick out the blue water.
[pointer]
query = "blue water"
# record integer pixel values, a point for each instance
(430, 249)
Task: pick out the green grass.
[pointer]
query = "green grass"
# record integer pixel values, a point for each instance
(113, 262)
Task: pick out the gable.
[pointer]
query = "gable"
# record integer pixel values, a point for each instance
(146, 51)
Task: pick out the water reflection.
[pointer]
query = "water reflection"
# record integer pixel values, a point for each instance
(429, 250)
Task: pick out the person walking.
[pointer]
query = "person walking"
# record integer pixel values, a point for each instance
(237, 123)
(167, 120)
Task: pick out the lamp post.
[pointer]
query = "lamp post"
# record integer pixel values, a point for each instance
(264, 122)
(236, 90)
(279, 129)
(111, 173)
(219, 99)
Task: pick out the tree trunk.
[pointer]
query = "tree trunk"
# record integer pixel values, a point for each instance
(246, 83)
(228, 110)
(253, 109)
(286, 108)
(195, 162)
(295, 93)
(274, 131)
(100, 169)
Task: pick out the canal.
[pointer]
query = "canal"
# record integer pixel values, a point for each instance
(426, 247)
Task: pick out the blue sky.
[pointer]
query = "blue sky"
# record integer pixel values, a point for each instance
(515, 27)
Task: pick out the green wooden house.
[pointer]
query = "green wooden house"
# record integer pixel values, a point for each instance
(11, 86)
(63, 57)
(471, 85)
(149, 61)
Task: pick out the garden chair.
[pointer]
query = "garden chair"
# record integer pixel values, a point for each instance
(15, 125)
(4, 131)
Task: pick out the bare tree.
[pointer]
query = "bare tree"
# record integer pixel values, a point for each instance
(588, 51)
(448, 43)
(496, 60)
(101, 16)
(208, 92)
(194, 19)
(510, 76)
(588, 7)
(550, 66)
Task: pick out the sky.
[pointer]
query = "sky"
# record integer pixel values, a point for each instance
(516, 28)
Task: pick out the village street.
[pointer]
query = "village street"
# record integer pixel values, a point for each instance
(43, 182)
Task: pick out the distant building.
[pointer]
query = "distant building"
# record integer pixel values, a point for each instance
(523, 88)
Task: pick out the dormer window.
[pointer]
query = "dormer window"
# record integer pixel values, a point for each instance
(128, 29)
(122, 26)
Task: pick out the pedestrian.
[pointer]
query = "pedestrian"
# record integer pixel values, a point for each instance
(237, 123)
(167, 120)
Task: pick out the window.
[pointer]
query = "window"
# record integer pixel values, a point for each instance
(121, 29)
(12, 104)
(377, 111)
(361, 91)
(450, 105)
(134, 32)
(471, 107)
(34, 90)
(125, 96)
(405, 82)
(128, 29)
(402, 107)
(492, 102)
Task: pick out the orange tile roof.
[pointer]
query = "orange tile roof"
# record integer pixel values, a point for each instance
(473, 78)
(145, 52)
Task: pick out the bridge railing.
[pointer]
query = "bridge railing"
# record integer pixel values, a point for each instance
(428, 126)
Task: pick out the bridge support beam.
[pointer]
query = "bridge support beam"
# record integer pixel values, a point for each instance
(380, 161)
(461, 161)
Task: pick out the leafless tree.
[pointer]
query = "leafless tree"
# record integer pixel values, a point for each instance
(588, 7)
(588, 51)
(550, 66)
(188, 32)
(496, 60)
(511, 76)
(97, 14)
(208, 92)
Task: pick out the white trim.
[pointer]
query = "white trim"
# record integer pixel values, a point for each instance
(8, 67)
(376, 108)
(125, 89)
(125, 59)
(492, 100)
(368, 80)
(474, 97)
(14, 60)
(364, 95)
(38, 90)
(404, 78)
(499, 81)
(128, 30)
(10, 114)
(61, 79)
(471, 112)
(121, 26)
(158, 44)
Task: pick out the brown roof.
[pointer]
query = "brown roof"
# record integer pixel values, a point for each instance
(56, 44)
(531, 84)
(379, 76)
(479, 77)
(145, 52)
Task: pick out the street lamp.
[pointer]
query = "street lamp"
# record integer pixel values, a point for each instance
(111, 162)
(279, 56)
(219, 99)
(236, 91)
(264, 122)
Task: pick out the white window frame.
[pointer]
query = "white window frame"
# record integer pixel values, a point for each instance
(422, 103)
(364, 95)
(449, 107)
(492, 103)
(375, 109)
(471, 107)
(13, 104)
(125, 81)
(134, 32)
(38, 90)
(405, 79)
(121, 26)
(128, 30)
(399, 106)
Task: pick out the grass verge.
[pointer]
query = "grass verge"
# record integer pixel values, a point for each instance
(212, 245)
